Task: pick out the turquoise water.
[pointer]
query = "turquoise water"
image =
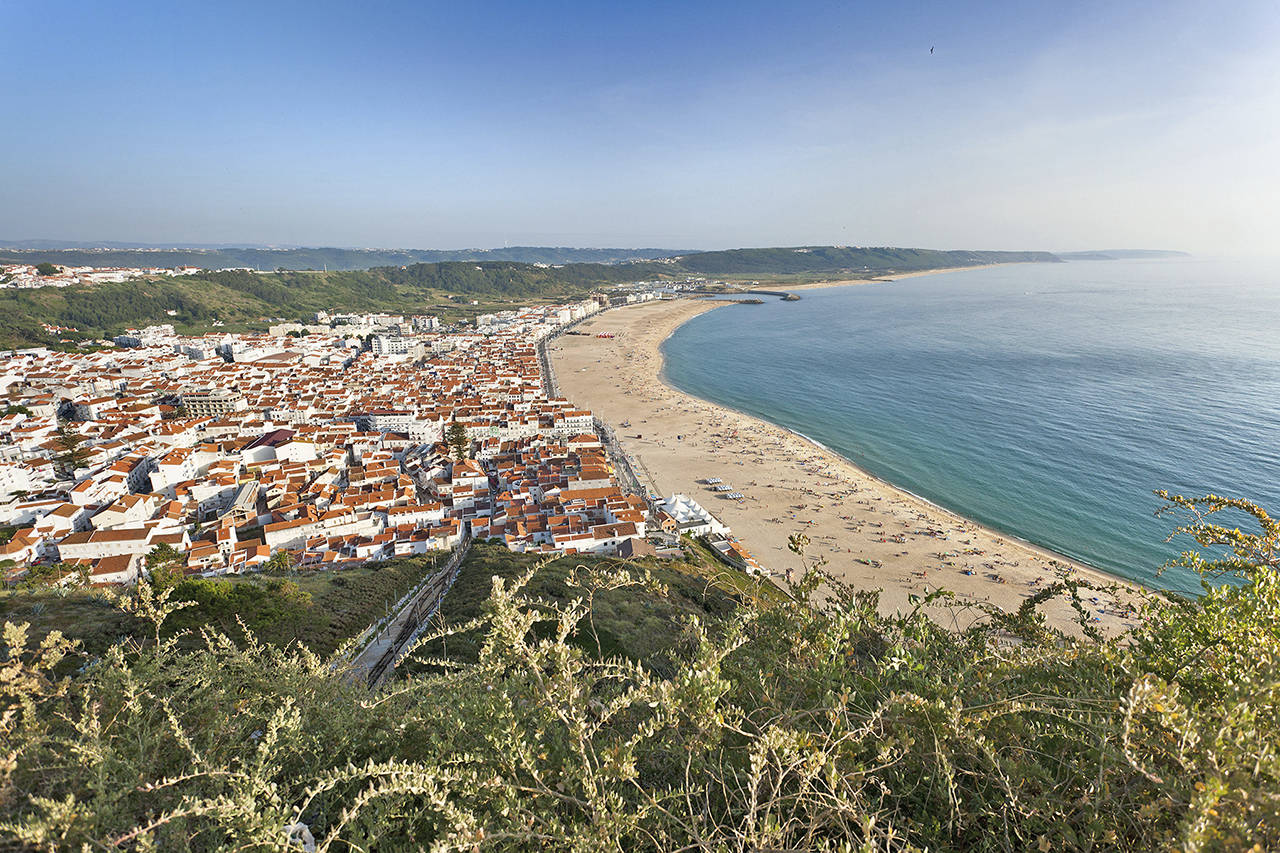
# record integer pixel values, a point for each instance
(1045, 400)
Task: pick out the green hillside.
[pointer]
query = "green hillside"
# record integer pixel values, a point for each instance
(247, 299)
(641, 624)
(323, 609)
(316, 258)
(320, 610)
(243, 299)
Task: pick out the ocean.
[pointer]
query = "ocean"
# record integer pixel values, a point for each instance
(1044, 400)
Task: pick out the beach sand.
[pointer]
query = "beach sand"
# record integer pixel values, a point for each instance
(873, 535)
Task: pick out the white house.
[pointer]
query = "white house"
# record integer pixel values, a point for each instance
(128, 510)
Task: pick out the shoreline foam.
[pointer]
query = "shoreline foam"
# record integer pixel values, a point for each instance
(1060, 556)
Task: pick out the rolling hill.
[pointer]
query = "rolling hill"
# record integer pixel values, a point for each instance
(248, 299)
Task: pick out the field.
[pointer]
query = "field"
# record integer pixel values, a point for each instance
(92, 618)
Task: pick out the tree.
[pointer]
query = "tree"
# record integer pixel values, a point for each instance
(458, 440)
(47, 574)
(73, 455)
(280, 561)
(165, 566)
(84, 576)
(46, 268)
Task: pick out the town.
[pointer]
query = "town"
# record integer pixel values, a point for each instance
(29, 276)
(349, 439)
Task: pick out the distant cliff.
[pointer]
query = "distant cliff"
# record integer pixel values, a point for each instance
(813, 259)
(766, 261)
(1121, 254)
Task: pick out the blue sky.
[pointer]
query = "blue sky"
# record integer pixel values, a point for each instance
(1053, 125)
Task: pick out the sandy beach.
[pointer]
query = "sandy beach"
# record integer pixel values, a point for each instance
(872, 534)
(889, 276)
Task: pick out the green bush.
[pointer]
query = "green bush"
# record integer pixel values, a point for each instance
(641, 624)
(816, 723)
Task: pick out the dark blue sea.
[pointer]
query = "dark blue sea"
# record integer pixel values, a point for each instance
(1045, 400)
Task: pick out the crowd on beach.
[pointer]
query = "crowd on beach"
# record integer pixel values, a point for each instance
(868, 532)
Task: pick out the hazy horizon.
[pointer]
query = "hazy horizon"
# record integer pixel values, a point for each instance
(148, 245)
(1062, 127)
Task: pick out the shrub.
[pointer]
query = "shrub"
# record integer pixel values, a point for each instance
(816, 723)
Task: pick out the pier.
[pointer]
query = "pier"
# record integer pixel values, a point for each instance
(784, 295)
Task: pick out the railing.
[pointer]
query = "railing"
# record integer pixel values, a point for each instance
(622, 467)
(419, 610)
(368, 635)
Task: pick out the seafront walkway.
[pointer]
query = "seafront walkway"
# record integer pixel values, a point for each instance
(622, 467)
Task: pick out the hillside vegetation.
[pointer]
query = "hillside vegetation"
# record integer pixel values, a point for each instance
(242, 299)
(319, 610)
(812, 724)
(640, 624)
(247, 299)
(317, 258)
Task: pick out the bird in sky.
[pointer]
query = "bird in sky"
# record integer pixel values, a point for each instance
(931, 51)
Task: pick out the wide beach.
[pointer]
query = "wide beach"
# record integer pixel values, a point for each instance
(871, 534)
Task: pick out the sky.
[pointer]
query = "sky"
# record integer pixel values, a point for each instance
(1031, 125)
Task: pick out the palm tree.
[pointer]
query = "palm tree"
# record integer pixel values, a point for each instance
(281, 561)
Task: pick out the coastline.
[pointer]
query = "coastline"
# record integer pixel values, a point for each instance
(895, 276)
(872, 534)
